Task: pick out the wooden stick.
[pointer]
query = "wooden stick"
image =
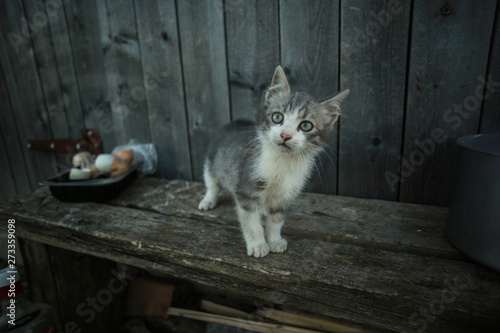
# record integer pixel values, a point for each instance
(306, 321)
(236, 322)
(292, 319)
(223, 310)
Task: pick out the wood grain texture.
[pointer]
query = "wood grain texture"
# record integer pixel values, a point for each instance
(65, 71)
(22, 82)
(13, 166)
(60, 96)
(361, 221)
(7, 181)
(490, 118)
(94, 306)
(310, 56)
(173, 72)
(252, 52)
(443, 78)
(162, 71)
(373, 67)
(40, 277)
(65, 122)
(381, 277)
(124, 72)
(86, 291)
(89, 43)
(201, 27)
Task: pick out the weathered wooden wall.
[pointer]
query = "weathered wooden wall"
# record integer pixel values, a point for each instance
(172, 72)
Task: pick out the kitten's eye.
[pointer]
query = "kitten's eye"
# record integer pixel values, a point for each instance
(277, 118)
(306, 126)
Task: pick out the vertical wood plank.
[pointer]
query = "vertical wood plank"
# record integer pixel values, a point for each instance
(89, 289)
(40, 277)
(161, 62)
(490, 120)
(17, 180)
(64, 122)
(7, 186)
(310, 54)
(66, 75)
(201, 26)
(252, 52)
(449, 52)
(374, 56)
(63, 108)
(124, 71)
(86, 290)
(24, 91)
(89, 46)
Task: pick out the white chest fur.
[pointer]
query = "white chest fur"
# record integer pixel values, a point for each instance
(284, 174)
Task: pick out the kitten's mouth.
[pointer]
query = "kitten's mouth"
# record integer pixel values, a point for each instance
(283, 144)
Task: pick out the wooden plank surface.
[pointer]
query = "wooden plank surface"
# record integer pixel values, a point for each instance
(65, 118)
(107, 289)
(362, 221)
(39, 276)
(374, 55)
(65, 123)
(13, 163)
(124, 71)
(7, 181)
(24, 90)
(252, 52)
(162, 71)
(61, 278)
(380, 277)
(490, 118)
(201, 27)
(89, 45)
(310, 57)
(443, 77)
(89, 64)
(66, 75)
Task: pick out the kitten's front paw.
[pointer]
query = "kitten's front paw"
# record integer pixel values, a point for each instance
(207, 203)
(258, 251)
(278, 246)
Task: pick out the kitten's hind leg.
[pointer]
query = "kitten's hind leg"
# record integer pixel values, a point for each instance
(273, 232)
(210, 199)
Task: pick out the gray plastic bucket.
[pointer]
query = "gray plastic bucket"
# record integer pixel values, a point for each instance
(474, 211)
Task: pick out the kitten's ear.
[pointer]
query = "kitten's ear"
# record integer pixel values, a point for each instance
(279, 84)
(331, 107)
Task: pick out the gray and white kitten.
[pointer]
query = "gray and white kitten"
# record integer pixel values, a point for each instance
(265, 165)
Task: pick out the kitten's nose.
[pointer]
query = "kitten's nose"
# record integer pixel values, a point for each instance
(285, 137)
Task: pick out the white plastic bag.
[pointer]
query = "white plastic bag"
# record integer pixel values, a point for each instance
(144, 155)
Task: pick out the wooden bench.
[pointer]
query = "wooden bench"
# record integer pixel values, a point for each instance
(381, 265)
